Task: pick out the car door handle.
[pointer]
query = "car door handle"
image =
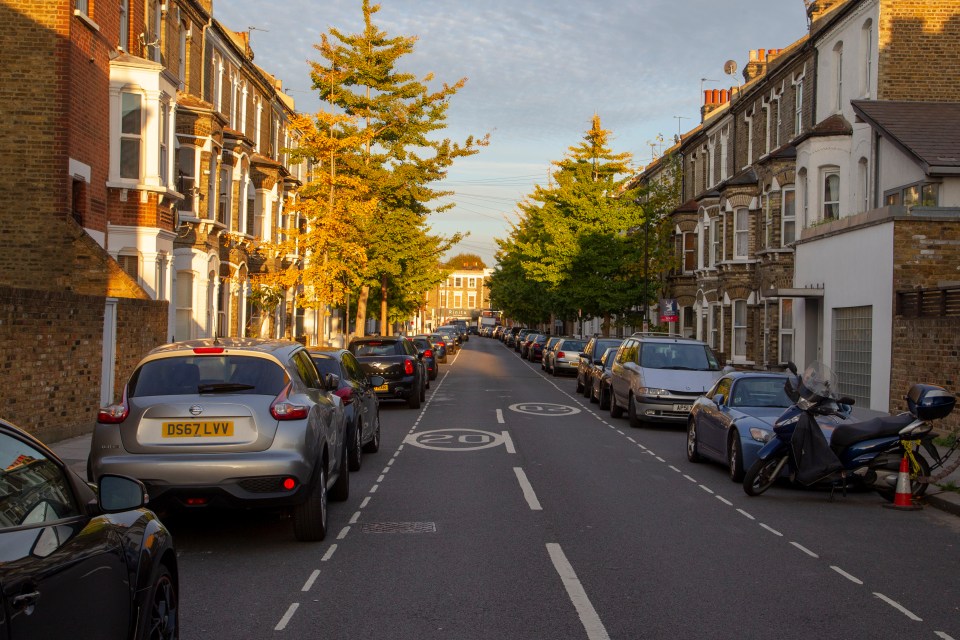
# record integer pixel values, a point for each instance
(25, 600)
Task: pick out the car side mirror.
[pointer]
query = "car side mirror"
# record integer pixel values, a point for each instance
(584, 355)
(718, 399)
(120, 493)
(728, 369)
(331, 382)
(376, 381)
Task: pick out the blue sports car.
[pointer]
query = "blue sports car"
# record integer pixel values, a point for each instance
(734, 419)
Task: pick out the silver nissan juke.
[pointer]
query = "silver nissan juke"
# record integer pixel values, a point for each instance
(236, 422)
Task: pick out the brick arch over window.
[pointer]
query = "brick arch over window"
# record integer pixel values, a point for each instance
(739, 200)
(738, 292)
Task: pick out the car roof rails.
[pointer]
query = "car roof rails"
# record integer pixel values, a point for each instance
(659, 334)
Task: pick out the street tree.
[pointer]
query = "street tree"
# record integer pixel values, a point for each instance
(398, 115)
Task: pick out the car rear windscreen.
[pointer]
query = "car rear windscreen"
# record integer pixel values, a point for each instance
(207, 374)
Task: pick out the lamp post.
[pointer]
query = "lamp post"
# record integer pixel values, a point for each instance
(646, 267)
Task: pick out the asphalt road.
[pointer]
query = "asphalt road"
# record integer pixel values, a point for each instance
(509, 507)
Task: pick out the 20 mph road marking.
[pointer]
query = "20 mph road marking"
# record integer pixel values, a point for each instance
(588, 615)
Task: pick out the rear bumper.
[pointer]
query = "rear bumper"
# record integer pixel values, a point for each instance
(663, 410)
(398, 389)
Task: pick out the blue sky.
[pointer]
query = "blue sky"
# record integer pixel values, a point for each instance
(537, 71)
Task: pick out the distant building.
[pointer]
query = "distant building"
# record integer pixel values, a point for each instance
(462, 295)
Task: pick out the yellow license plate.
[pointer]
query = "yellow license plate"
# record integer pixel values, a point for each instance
(383, 387)
(204, 429)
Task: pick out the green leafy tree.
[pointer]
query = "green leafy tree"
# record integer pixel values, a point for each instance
(465, 261)
(399, 116)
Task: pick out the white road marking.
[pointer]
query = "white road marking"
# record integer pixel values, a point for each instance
(771, 530)
(313, 577)
(724, 501)
(899, 607)
(508, 442)
(373, 489)
(943, 635)
(329, 553)
(386, 469)
(744, 513)
(390, 461)
(578, 596)
(689, 478)
(639, 445)
(675, 469)
(355, 517)
(660, 459)
(343, 533)
(286, 617)
(804, 549)
(527, 489)
(500, 416)
(846, 575)
(651, 453)
(707, 489)
(380, 478)
(366, 501)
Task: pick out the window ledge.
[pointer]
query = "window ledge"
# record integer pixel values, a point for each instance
(86, 19)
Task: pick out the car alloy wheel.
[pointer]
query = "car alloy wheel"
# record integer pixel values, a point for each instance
(162, 620)
(735, 458)
(692, 454)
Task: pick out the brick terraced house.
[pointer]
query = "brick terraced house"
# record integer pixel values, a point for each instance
(144, 154)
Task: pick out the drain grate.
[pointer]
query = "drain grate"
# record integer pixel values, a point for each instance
(399, 527)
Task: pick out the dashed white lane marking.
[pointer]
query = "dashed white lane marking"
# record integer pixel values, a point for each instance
(631, 440)
(675, 469)
(391, 461)
(311, 580)
(724, 501)
(508, 442)
(380, 478)
(366, 501)
(578, 596)
(694, 480)
(386, 469)
(373, 489)
(660, 459)
(744, 513)
(771, 530)
(500, 416)
(528, 493)
(899, 607)
(942, 635)
(343, 533)
(355, 517)
(804, 549)
(846, 575)
(329, 553)
(286, 617)
(706, 488)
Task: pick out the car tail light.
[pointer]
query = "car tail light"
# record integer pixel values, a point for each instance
(203, 350)
(115, 413)
(428, 353)
(441, 344)
(345, 394)
(561, 354)
(283, 409)
(289, 484)
(196, 502)
(408, 367)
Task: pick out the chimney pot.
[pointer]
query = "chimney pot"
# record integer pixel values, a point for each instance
(707, 93)
(724, 96)
(716, 97)
(762, 55)
(753, 55)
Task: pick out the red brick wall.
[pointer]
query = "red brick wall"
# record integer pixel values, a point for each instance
(918, 50)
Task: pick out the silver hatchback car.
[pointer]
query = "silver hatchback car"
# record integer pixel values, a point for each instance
(229, 422)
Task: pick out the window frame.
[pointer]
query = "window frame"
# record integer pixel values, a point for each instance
(825, 174)
(788, 219)
(129, 137)
(786, 334)
(738, 330)
(741, 235)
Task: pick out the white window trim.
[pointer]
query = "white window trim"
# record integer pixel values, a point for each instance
(798, 105)
(738, 233)
(786, 334)
(824, 173)
(784, 218)
(738, 357)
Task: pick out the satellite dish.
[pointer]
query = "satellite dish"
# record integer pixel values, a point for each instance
(730, 67)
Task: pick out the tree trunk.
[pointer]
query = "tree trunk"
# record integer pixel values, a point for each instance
(606, 325)
(361, 326)
(384, 329)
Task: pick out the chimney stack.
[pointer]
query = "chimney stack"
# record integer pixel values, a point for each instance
(816, 9)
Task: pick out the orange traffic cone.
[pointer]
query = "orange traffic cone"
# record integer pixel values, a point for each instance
(903, 499)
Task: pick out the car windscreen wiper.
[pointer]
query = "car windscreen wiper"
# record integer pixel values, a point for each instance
(223, 387)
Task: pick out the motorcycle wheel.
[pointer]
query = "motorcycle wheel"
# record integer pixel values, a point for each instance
(917, 489)
(761, 475)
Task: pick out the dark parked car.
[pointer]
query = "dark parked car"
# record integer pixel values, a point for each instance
(590, 356)
(425, 347)
(548, 349)
(397, 360)
(452, 335)
(600, 388)
(79, 562)
(235, 422)
(535, 350)
(360, 404)
(440, 347)
(734, 419)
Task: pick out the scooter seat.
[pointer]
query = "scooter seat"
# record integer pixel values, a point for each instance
(847, 434)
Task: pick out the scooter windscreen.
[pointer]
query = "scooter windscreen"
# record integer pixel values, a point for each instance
(816, 384)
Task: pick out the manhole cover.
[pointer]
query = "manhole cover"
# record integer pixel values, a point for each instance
(399, 527)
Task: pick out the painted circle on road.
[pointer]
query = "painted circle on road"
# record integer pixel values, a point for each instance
(454, 439)
(544, 409)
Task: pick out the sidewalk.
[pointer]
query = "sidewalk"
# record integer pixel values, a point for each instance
(74, 452)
